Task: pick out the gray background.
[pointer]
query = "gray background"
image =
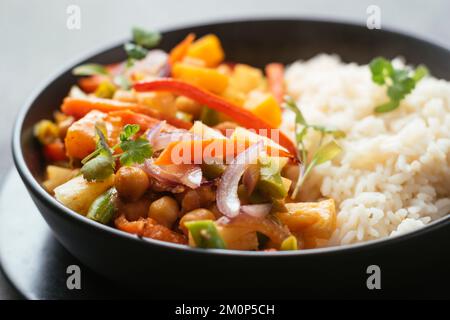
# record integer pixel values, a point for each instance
(35, 41)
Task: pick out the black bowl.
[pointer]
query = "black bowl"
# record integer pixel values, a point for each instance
(164, 269)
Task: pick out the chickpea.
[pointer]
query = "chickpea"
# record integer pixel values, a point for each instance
(164, 210)
(134, 210)
(200, 197)
(215, 211)
(197, 214)
(191, 201)
(131, 183)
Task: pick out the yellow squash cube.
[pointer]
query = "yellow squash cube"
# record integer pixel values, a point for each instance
(312, 220)
(246, 78)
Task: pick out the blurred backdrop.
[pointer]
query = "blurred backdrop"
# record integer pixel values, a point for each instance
(36, 43)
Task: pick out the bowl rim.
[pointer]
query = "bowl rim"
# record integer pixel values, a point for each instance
(38, 191)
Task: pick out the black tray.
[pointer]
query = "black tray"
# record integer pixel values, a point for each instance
(33, 260)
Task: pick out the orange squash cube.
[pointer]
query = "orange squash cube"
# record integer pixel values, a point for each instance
(206, 78)
(264, 106)
(209, 49)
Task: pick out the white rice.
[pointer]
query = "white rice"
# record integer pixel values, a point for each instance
(393, 175)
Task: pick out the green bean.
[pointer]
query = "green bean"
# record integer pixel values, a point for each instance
(103, 208)
(205, 234)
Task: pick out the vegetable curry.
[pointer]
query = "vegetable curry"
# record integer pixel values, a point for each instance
(185, 147)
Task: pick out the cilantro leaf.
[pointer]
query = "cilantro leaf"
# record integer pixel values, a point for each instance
(135, 151)
(388, 106)
(135, 51)
(146, 39)
(291, 105)
(323, 153)
(100, 164)
(381, 69)
(128, 131)
(90, 69)
(326, 152)
(142, 41)
(400, 82)
(420, 73)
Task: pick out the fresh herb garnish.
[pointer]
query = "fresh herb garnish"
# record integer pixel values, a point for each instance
(134, 51)
(142, 41)
(134, 151)
(90, 69)
(324, 153)
(100, 164)
(146, 39)
(399, 82)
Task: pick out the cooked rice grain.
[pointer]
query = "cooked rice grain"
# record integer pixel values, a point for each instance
(393, 175)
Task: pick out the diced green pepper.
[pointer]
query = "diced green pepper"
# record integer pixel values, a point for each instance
(103, 208)
(254, 198)
(212, 170)
(209, 116)
(290, 243)
(270, 182)
(205, 234)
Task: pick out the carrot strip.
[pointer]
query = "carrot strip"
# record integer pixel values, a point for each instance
(275, 78)
(240, 115)
(179, 51)
(196, 151)
(79, 107)
(145, 122)
(90, 84)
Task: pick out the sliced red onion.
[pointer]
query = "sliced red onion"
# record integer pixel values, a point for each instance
(192, 178)
(154, 64)
(165, 71)
(223, 221)
(227, 199)
(188, 175)
(257, 210)
(154, 132)
(164, 139)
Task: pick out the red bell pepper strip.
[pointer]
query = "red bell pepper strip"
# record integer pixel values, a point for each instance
(240, 115)
(79, 107)
(275, 78)
(55, 151)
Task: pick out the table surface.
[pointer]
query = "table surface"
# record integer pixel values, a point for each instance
(36, 41)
